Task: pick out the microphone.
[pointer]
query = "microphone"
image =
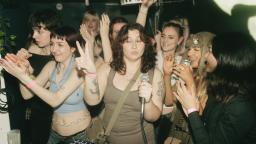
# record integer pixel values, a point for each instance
(187, 62)
(144, 78)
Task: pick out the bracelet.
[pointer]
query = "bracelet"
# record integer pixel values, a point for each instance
(91, 75)
(30, 84)
(190, 110)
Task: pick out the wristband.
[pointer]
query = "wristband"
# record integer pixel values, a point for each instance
(30, 84)
(91, 75)
(190, 110)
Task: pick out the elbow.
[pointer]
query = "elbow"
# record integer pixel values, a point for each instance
(54, 103)
(93, 103)
(26, 97)
(153, 118)
(169, 103)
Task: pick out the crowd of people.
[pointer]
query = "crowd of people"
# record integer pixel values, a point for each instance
(186, 88)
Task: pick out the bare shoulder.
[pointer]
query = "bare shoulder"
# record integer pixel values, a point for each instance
(33, 49)
(49, 66)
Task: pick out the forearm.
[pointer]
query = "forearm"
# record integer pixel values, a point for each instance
(35, 88)
(106, 46)
(91, 88)
(198, 129)
(169, 97)
(152, 112)
(54, 99)
(142, 15)
(25, 92)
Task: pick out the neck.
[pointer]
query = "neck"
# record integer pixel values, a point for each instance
(132, 66)
(45, 50)
(63, 65)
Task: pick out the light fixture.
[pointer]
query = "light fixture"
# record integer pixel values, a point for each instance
(59, 6)
(128, 2)
(86, 2)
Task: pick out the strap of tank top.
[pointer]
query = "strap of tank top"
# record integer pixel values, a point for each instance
(120, 103)
(66, 74)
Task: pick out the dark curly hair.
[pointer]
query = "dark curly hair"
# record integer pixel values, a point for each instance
(148, 59)
(234, 75)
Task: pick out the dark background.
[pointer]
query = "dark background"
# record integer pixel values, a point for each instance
(203, 15)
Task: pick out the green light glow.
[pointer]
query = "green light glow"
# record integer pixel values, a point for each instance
(227, 5)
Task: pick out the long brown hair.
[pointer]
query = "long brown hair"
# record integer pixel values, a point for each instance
(148, 58)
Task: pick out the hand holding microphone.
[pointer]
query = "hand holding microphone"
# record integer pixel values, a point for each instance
(145, 88)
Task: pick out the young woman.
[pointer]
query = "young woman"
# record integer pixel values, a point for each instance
(65, 94)
(132, 51)
(199, 50)
(38, 54)
(229, 114)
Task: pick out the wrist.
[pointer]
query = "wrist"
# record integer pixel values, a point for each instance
(167, 75)
(30, 84)
(190, 110)
(143, 9)
(91, 75)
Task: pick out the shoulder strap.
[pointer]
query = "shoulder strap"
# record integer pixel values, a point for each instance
(120, 103)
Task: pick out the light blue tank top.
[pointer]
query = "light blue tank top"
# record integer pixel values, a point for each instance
(74, 102)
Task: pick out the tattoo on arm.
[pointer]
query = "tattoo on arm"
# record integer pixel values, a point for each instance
(95, 88)
(160, 89)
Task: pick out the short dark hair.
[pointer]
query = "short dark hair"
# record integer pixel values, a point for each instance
(48, 17)
(70, 35)
(236, 58)
(148, 58)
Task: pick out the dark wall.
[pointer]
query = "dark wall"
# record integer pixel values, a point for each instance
(203, 15)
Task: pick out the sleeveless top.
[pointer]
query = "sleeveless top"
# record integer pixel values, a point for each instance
(37, 62)
(75, 101)
(126, 129)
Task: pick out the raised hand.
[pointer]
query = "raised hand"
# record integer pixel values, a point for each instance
(87, 36)
(148, 3)
(10, 64)
(145, 91)
(184, 72)
(20, 62)
(84, 62)
(104, 25)
(23, 54)
(168, 65)
(186, 97)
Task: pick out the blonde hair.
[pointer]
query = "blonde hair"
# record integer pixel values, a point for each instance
(203, 40)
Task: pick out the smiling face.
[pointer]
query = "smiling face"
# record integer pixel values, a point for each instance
(91, 22)
(41, 36)
(133, 47)
(170, 39)
(194, 55)
(61, 50)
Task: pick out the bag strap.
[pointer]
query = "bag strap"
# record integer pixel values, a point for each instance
(120, 103)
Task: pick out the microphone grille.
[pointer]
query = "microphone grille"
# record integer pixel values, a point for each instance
(144, 77)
